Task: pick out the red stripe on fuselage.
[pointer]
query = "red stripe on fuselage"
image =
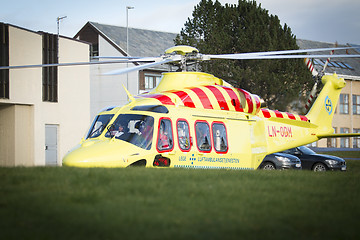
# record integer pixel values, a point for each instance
(162, 98)
(303, 118)
(291, 116)
(219, 97)
(185, 98)
(248, 100)
(266, 113)
(258, 104)
(234, 99)
(203, 98)
(278, 114)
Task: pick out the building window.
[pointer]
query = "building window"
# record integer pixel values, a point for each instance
(336, 64)
(344, 142)
(344, 103)
(331, 142)
(50, 74)
(151, 81)
(4, 60)
(356, 140)
(356, 104)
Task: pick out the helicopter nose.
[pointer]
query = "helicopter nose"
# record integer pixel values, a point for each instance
(99, 154)
(75, 158)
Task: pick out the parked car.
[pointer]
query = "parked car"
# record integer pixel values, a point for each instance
(280, 161)
(317, 162)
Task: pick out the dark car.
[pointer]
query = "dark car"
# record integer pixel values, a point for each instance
(317, 162)
(280, 161)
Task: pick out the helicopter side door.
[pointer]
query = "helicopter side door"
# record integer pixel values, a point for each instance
(164, 143)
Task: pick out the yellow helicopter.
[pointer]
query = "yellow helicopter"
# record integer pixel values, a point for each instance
(196, 120)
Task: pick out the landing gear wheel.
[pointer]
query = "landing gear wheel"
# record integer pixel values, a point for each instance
(268, 166)
(319, 167)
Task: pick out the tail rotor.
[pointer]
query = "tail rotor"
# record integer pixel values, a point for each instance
(317, 78)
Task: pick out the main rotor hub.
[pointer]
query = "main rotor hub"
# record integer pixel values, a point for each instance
(189, 56)
(181, 50)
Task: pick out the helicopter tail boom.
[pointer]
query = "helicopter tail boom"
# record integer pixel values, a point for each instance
(322, 111)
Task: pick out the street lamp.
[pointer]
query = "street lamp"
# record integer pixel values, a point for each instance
(127, 42)
(127, 29)
(58, 34)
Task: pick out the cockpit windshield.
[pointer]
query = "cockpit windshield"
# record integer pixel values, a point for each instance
(99, 124)
(136, 129)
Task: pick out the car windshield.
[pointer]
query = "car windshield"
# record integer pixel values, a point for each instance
(98, 125)
(306, 150)
(136, 129)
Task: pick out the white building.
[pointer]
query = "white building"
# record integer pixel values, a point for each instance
(108, 40)
(44, 112)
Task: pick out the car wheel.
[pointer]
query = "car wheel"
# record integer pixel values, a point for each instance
(268, 166)
(319, 167)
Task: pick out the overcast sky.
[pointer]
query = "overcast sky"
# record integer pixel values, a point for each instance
(319, 20)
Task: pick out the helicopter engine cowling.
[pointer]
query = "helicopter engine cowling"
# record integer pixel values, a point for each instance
(251, 103)
(200, 90)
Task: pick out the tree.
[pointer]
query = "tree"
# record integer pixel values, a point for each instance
(246, 27)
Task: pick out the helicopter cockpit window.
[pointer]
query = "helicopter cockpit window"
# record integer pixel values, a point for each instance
(203, 139)
(98, 125)
(183, 135)
(133, 128)
(219, 137)
(165, 138)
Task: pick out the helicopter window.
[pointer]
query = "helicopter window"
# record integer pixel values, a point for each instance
(165, 137)
(133, 128)
(151, 108)
(98, 125)
(203, 140)
(219, 137)
(183, 135)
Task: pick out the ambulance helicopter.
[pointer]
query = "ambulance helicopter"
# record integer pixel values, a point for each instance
(196, 120)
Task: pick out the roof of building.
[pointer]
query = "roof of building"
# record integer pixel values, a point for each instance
(142, 43)
(349, 67)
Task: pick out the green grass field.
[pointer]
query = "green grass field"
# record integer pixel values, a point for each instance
(137, 203)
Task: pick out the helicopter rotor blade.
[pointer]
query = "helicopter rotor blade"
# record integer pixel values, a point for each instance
(131, 59)
(137, 68)
(62, 64)
(254, 55)
(310, 66)
(248, 57)
(199, 57)
(327, 61)
(317, 78)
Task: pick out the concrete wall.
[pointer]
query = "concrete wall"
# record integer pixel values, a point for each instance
(7, 136)
(24, 115)
(16, 135)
